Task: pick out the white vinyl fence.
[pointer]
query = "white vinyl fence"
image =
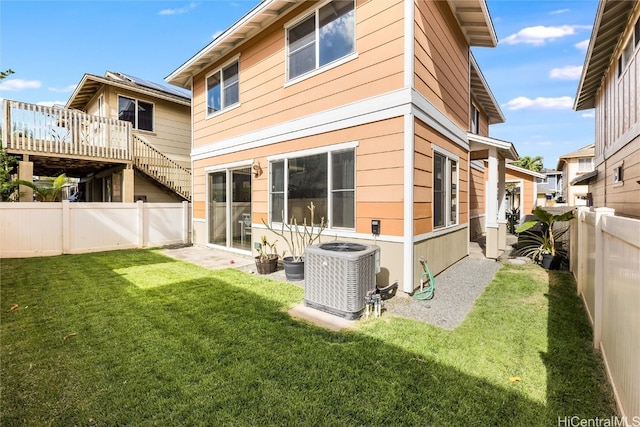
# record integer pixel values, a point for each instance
(605, 260)
(47, 229)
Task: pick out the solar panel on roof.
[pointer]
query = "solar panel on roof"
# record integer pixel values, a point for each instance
(156, 86)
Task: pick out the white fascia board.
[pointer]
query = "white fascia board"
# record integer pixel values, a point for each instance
(525, 171)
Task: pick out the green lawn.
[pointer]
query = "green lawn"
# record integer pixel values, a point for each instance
(136, 338)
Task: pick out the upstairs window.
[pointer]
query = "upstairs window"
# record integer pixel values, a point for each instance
(627, 53)
(139, 113)
(327, 35)
(585, 165)
(222, 88)
(475, 120)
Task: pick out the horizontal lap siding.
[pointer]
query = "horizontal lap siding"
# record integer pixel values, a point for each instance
(442, 60)
(423, 177)
(379, 165)
(264, 99)
(476, 193)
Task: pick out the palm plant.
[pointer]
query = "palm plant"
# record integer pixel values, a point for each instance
(544, 241)
(46, 193)
(530, 163)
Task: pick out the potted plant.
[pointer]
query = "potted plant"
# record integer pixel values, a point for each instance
(298, 237)
(267, 259)
(543, 244)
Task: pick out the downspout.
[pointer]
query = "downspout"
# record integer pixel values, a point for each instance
(409, 148)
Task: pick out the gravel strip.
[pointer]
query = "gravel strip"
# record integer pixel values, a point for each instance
(456, 289)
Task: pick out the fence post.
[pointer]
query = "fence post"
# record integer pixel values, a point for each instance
(140, 216)
(66, 227)
(599, 274)
(581, 248)
(185, 222)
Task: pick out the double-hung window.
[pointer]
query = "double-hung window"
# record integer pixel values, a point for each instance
(223, 88)
(325, 179)
(326, 35)
(139, 113)
(445, 190)
(585, 165)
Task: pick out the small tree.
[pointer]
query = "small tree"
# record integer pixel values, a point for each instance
(46, 193)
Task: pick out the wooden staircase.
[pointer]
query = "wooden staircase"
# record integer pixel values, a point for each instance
(161, 168)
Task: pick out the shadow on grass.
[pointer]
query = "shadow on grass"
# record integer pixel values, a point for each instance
(215, 350)
(575, 370)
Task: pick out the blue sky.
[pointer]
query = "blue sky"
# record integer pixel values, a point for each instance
(533, 72)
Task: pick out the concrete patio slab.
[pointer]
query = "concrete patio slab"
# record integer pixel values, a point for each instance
(320, 318)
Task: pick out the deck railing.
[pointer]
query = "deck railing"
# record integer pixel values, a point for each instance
(161, 168)
(37, 129)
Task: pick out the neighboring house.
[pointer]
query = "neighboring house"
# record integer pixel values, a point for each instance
(610, 83)
(364, 108)
(550, 187)
(573, 166)
(521, 193)
(121, 137)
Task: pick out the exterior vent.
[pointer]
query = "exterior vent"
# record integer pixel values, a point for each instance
(338, 275)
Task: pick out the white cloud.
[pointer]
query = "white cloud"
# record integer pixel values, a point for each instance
(540, 103)
(589, 114)
(539, 35)
(569, 72)
(52, 103)
(67, 89)
(583, 45)
(558, 12)
(545, 143)
(19, 84)
(179, 11)
(216, 34)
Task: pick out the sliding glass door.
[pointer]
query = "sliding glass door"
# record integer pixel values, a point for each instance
(230, 208)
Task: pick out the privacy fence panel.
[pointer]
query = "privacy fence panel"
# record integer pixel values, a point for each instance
(608, 277)
(46, 229)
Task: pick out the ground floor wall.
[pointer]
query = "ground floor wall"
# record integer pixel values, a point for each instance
(383, 184)
(477, 226)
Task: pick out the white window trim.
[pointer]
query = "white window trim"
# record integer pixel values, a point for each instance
(219, 70)
(447, 214)
(310, 152)
(134, 126)
(620, 182)
(306, 14)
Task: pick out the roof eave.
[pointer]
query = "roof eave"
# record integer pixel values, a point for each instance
(258, 18)
(609, 24)
(475, 21)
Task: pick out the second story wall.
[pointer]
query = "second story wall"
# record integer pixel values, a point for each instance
(442, 60)
(266, 98)
(171, 132)
(618, 103)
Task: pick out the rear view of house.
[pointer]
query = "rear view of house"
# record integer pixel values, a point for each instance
(369, 109)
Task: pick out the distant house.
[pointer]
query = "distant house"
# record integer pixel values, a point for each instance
(573, 166)
(121, 137)
(610, 83)
(372, 110)
(550, 187)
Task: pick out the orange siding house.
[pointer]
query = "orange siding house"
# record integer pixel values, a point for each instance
(362, 107)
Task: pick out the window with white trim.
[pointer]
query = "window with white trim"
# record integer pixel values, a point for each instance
(626, 56)
(445, 190)
(223, 88)
(326, 35)
(326, 179)
(585, 165)
(617, 175)
(139, 113)
(475, 120)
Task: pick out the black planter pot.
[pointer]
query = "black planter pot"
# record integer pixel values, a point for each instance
(551, 262)
(293, 270)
